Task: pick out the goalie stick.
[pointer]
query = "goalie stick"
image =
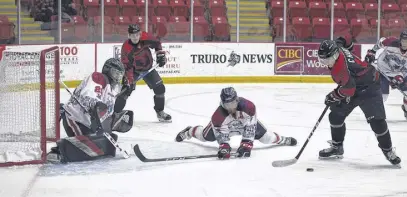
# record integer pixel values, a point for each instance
(284, 163)
(107, 135)
(142, 158)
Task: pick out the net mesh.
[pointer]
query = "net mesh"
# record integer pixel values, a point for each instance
(22, 105)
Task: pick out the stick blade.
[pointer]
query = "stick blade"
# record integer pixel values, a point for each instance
(138, 153)
(284, 163)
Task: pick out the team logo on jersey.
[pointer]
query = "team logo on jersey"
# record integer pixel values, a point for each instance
(395, 62)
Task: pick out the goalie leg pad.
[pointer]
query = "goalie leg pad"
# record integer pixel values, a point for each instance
(123, 121)
(73, 128)
(85, 148)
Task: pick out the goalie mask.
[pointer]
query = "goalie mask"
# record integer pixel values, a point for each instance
(114, 70)
(229, 99)
(328, 53)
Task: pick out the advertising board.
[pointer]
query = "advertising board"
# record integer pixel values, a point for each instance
(301, 59)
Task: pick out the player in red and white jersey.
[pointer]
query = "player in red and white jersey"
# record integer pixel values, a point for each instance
(391, 56)
(90, 112)
(235, 116)
(96, 89)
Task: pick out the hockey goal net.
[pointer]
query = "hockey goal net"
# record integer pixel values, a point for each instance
(29, 104)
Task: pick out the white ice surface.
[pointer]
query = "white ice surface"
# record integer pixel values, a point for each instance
(289, 109)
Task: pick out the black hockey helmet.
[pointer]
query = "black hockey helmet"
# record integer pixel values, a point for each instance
(114, 69)
(403, 40)
(229, 99)
(133, 28)
(328, 53)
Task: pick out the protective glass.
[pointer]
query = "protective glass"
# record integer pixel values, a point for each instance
(116, 75)
(135, 37)
(403, 44)
(330, 61)
(230, 106)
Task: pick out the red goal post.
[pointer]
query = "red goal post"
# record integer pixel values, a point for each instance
(29, 104)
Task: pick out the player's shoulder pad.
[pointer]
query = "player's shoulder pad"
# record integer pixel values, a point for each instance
(246, 106)
(219, 116)
(339, 66)
(99, 78)
(391, 42)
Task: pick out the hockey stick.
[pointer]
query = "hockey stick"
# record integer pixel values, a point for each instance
(142, 158)
(107, 135)
(141, 76)
(284, 163)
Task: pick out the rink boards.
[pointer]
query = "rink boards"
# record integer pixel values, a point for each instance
(205, 62)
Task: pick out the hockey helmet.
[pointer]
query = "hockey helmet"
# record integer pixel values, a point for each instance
(114, 69)
(229, 99)
(134, 31)
(403, 40)
(328, 53)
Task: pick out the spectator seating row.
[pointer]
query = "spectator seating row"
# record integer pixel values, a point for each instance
(304, 28)
(91, 8)
(348, 9)
(177, 28)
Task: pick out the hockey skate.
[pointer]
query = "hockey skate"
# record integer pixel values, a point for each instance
(392, 157)
(289, 141)
(184, 134)
(404, 110)
(333, 152)
(163, 117)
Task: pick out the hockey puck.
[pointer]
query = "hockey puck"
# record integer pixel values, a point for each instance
(310, 169)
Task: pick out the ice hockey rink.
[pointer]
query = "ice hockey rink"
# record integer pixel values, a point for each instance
(289, 109)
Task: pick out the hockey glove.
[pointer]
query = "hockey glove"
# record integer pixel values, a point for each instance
(333, 98)
(370, 56)
(224, 151)
(128, 89)
(346, 43)
(161, 59)
(397, 82)
(245, 148)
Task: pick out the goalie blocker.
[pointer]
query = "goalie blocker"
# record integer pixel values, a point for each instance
(83, 143)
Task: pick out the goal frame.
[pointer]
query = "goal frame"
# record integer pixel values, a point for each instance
(43, 106)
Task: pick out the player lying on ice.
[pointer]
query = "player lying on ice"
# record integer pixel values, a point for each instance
(85, 123)
(235, 116)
